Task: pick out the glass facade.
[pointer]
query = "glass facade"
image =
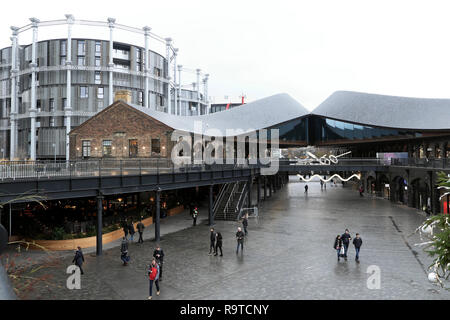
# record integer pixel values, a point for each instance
(332, 131)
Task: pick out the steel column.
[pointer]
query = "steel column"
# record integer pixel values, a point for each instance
(111, 22)
(33, 110)
(13, 113)
(147, 65)
(175, 87)
(99, 249)
(179, 86)
(158, 213)
(168, 43)
(68, 107)
(211, 213)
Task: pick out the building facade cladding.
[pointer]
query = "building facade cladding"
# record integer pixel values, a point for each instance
(90, 73)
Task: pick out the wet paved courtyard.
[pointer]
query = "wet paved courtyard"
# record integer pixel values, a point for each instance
(288, 255)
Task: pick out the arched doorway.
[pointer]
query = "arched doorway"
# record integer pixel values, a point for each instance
(399, 190)
(384, 186)
(371, 184)
(421, 195)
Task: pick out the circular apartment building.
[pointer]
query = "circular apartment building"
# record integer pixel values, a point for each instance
(49, 87)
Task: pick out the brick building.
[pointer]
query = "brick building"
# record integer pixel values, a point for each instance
(120, 131)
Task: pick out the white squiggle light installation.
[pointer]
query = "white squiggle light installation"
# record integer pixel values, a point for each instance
(357, 176)
(445, 194)
(312, 159)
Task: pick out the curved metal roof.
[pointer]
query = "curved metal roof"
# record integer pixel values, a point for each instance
(386, 111)
(256, 115)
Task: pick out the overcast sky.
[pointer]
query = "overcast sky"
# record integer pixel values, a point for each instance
(308, 49)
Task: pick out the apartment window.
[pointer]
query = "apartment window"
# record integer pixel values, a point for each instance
(156, 146)
(86, 145)
(63, 48)
(133, 147)
(52, 121)
(157, 72)
(84, 92)
(141, 98)
(38, 105)
(63, 61)
(100, 92)
(51, 105)
(98, 77)
(107, 148)
(161, 101)
(81, 61)
(98, 62)
(81, 47)
(98, 48)
(64, 103)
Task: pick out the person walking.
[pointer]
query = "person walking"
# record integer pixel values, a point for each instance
(219, 244)
(158, 254)
(131, 230)
(140, 226)
(124, 251)
(306, 188)
(79, 259)
(212, 238)
(361, 190)
(245, 223)
(125, 228)
(194, 216)
(240, 240)
(321, 185)
(337, 246)
(357, 242)
(346, 237)
(153, 275)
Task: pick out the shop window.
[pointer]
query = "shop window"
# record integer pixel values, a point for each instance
(107, 148)
(156, 146)
(86, 144)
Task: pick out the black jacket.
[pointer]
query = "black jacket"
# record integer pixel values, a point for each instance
(245, 222)
(131, 228)
(124, 246)
(212, 236)
(161, 255)
(357, 242)
(240, 236)
(219, 239)
(346, 238)
(337, 243)
(140, 226)
(79, 258)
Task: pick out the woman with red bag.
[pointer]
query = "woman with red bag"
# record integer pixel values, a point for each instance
(153, 275)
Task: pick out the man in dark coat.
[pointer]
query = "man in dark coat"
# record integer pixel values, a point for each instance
(212, 238)
(140, 226)
(357, 242)
(346, 237)
(245, 223)
(131, 230)
(158, 254)
(79, 259)
(124, 251)
(240, 240)
(219, 244)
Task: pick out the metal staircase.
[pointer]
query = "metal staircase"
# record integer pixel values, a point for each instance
(230, 200)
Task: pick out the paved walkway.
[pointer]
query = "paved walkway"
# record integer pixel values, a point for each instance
(288, 255)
